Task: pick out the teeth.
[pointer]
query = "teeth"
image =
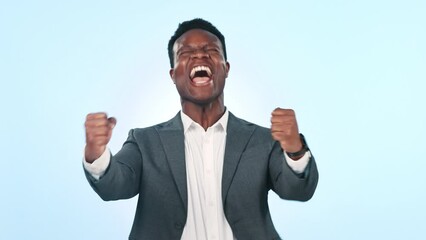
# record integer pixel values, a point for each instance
(200, 68)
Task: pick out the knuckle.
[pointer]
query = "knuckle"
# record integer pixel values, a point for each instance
(89, 138)
(96, 115)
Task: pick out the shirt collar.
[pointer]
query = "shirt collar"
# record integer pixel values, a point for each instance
(188, 122)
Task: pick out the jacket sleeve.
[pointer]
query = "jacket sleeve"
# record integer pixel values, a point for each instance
(287, 183)
(122, 177)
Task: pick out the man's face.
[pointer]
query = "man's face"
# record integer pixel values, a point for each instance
(200, 68)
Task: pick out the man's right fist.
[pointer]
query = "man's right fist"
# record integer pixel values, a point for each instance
(98, 133)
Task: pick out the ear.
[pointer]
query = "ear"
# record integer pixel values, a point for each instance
(172, 74)
(228, 66)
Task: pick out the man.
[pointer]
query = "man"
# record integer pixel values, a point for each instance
(205, 174)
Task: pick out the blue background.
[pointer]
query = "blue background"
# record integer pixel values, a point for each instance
(354, 71)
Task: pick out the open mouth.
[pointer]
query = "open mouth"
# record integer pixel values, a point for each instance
(201, 75)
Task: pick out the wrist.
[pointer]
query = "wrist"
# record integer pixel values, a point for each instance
(299, 154)
(91, 155)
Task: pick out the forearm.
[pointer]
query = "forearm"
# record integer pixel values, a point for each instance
(120, 179)
(289, 183)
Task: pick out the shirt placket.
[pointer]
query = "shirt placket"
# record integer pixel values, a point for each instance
(210, 181)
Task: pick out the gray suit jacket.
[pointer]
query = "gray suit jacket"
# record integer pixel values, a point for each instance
(151, 163)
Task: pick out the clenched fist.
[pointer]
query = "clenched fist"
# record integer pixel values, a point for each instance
(284, 129)
(98, 133)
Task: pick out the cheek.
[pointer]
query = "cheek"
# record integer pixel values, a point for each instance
(180, 67)
(182, 60)
(178, 73)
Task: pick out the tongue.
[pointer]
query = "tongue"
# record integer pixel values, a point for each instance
(201, 80)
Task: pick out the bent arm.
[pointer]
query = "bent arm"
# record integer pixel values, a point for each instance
(122, 176)
(288, 183)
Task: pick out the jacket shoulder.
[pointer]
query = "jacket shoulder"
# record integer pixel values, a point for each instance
(174, 123)
(242, 122)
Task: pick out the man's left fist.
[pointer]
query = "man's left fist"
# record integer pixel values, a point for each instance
(284, 129)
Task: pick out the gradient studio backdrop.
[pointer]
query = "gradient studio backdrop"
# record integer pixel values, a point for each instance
(354, 71)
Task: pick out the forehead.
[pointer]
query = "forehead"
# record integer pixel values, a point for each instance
(196, 37)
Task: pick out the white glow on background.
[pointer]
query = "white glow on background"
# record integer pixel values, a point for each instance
(354, 72)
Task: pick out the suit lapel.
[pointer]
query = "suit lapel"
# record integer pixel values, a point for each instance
(237, 137)
(173, 140)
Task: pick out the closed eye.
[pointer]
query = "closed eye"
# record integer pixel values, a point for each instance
(184, 53)
(213, 50)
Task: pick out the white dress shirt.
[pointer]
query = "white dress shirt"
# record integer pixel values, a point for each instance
(204, 155)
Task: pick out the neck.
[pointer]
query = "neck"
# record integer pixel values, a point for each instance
(204, 114)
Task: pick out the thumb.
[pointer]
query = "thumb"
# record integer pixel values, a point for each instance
(112, 122)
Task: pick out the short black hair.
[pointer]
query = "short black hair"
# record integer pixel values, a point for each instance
(196, 23)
